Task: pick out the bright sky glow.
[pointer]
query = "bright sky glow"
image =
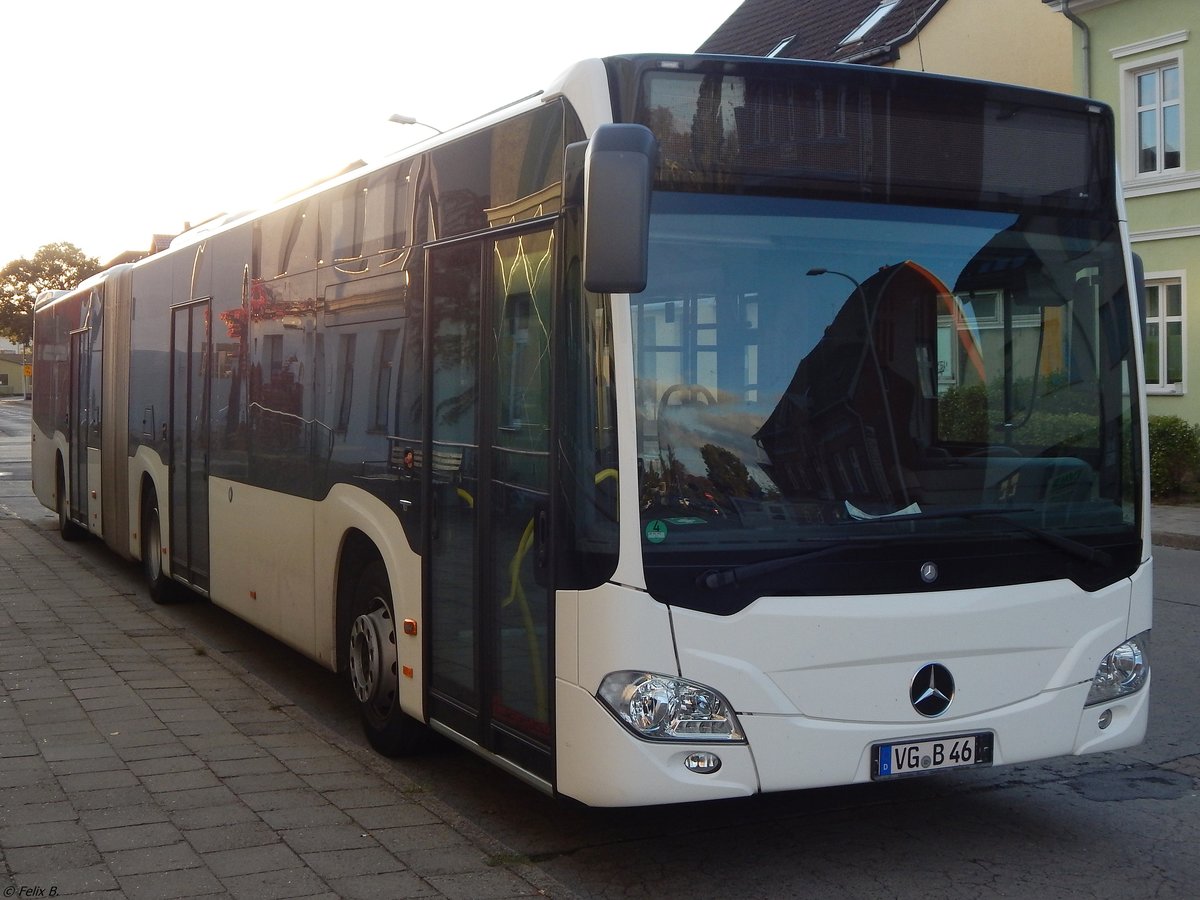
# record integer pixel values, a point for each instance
(129, 118)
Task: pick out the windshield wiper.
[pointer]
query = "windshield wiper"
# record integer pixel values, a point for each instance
(715, 579)
(1075, 548)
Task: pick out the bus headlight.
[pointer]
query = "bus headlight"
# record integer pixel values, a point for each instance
(1123, 671)
(666, 708)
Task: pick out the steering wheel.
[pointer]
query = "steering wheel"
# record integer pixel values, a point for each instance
(691, 394)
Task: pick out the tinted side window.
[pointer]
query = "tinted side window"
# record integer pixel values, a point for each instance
(506, 174)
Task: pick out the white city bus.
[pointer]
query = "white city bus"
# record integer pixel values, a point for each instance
(695, 428)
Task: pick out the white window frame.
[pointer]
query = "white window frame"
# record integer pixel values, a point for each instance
(1162, 387)
(779, 48)
(877, 15)
(1130, 119)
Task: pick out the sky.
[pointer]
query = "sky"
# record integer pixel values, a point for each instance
(129, 118)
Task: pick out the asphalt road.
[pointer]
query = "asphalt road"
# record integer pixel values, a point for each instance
(1120, 824)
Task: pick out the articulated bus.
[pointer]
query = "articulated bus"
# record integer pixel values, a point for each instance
(698, 427)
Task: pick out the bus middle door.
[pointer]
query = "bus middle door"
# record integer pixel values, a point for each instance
(191, 342)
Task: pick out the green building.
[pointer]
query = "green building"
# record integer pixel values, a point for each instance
(1143, 58)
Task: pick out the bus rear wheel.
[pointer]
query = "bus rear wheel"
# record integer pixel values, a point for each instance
(69, 529)
(374, 667)
(152, 554)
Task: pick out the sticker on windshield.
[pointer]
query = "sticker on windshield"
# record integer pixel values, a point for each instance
(687, 520)
(656, 531)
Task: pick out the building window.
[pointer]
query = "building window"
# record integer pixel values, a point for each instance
(779, 48)
(1164, 335)
(875, 17)
(1159, 118)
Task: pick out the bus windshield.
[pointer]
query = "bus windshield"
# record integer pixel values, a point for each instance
(820, 375)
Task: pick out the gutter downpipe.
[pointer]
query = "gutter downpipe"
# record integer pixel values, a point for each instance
(1087, 46)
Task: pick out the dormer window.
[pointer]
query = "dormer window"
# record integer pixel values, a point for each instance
(876, 16)
(779, 47)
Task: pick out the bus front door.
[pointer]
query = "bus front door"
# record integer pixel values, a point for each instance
(489, 590)
(191, 339)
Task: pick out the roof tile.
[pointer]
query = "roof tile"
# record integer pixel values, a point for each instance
(818, 27)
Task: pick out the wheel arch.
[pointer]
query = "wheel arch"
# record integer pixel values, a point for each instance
(147, 477)
(148, 494)
(356, 552)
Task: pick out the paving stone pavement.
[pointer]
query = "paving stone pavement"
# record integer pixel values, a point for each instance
(136, 762)
(1176, 525)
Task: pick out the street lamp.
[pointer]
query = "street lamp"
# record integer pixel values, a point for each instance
(400, 119)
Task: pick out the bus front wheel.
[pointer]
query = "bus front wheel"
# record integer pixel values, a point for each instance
(374, 666)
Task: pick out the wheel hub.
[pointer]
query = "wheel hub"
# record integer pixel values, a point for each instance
(373, 659)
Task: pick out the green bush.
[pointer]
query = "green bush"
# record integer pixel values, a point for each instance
(1174, 454)
(963, 414)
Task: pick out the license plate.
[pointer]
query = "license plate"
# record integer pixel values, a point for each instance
(935, 755)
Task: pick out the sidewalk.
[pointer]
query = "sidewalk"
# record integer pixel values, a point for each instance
(1175, 526)
(137, 762)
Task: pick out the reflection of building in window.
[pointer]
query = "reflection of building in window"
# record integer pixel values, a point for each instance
(971, 339)
(383, 379)
(1164, 335)
(273, 355)
(346, 394)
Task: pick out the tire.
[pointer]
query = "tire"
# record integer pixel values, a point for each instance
(67, 528)
(159, 583)
(373, 666)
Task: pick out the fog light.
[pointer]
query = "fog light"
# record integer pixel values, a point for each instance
(1105, 719)
(702, 763)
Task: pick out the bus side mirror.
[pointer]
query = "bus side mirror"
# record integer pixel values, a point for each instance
(617, 179)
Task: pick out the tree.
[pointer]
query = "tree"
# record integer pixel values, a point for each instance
(55, 267)
(727, 473)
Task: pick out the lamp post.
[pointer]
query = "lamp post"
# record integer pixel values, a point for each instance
(401, 119)
(883, 391)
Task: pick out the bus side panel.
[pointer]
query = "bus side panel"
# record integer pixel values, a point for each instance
(43, 454)
(262, 560)
(288, 586)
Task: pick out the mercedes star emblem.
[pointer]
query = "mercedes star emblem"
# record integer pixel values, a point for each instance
(932, 690)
